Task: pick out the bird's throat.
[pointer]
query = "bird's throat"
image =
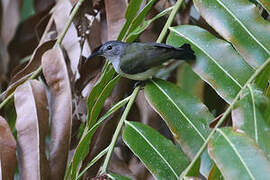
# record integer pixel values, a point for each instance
(116, 64)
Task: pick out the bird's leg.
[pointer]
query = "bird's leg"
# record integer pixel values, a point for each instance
(139, 83)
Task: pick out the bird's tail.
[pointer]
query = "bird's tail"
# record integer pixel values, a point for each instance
(186, 53)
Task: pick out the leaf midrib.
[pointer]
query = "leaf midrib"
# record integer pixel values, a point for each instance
(153, 147)
(185, 116)
(236, 152)
(241, 24)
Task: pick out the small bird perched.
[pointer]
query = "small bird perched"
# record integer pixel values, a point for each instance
(140, 61)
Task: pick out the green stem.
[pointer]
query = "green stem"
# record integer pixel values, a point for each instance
(226, 113)
(5, 101)
(93, 161)
(118, 129)
(87, 134)
(169, 21)
(71, 17)
(58, 42)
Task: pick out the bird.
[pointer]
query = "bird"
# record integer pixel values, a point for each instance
(141, 60)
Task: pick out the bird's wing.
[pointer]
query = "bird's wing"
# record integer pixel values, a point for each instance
(161, 45)
(143, 56)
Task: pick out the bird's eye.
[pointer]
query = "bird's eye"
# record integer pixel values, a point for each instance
(109, 47)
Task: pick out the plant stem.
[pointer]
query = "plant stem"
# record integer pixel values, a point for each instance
(5, 101)
(58, 42)
(118, 129)
(71, 17)
(93, 161)
(169, 21)
(226, 113)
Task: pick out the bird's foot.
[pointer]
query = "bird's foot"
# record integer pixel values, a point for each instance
(139, 83)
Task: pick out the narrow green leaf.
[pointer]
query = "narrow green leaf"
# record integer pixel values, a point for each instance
(132, 10)
(249, 116)
(224, 69)
(106, 76)
(238, 156)
(139, 29)
(140, 17)
(163, 159)
(104, 93)
(82, 148)
(8, 161)
(239, 22)
(10, 113)
(92, 162)
(184, 114)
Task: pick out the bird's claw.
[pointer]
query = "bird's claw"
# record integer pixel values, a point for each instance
(139, 83)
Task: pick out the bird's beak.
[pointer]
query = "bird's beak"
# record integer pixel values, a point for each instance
(95, 53)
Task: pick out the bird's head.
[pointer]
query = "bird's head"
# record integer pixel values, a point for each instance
(111, 50)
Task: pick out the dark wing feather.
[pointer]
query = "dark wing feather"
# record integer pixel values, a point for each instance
(142, 56)
(162, 45)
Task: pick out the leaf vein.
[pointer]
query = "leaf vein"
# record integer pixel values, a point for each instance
(236, 152)
(166, 162)
(185, 116)
(248, 31)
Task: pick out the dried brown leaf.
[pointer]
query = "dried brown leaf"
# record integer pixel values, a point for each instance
(94, 35)
(35, 60)
(7, 151)
(137, 167)
(88, 28)
(25, 72)
(115, 14)
(10, 17)
(56, 75)
(184, 14)
(71, 40)
(26, 39)
(44, 30)
(98, 4)
(88, 70)
(32, 127)
(118, 166)
(83, 18)
(101, 177)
